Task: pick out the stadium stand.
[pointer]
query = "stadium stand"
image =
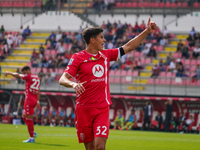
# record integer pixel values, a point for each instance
(132, 75)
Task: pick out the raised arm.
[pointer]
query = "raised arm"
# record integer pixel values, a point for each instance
(133, 43)
(17, 75)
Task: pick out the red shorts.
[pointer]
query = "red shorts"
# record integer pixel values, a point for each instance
(29, 106)
(91, 122)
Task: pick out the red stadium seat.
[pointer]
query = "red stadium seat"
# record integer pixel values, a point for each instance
(167, 4)
(112, 72)
(162, 74)
(34, 70)
(151, 81)
(135, 73)
(161, 4)
(117, 80)
(111, 79)
(193, 62)
(118, 73)
(186, 62)
(192, 68)
(137, 54)
(129, 4)
(184, 4)
(47, 52)
(196, 4)
(157, 81)
(173, 4)
(160, 48)
(168, 81)
(163, 81)
(169, 74)
(129, 73)
(148, 61)
(53, 52)
(123, 73)
(190, 83)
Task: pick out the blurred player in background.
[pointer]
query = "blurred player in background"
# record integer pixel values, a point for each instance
(32, 89)
(90, 67)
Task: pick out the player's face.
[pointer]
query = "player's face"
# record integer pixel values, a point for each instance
(99, 41)
(24, 71)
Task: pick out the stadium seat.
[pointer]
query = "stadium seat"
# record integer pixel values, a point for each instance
(157, 81)
(148, 61)
(190, 83)
(117, 80)
(186, 62)
(111, 79)
(45, 70)
(53, 52)
(193, 62)
(47, 52)
(173, 4)
(168, 81)
(118, 72)
(135, 73)
(129, 4)
(167, 4)
(184, 4)
(160, 48)
(137, 54)
(161, 4)
(198, 62)
(196, 4)
(129, 73)
(177, 55)
(34, 70)
(112, 72)
(163, 81)
(123, 73)
(151, 81)
(192, 68)
(169, 74)
(162, 74)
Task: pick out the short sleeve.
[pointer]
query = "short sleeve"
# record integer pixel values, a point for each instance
(25, 77)
(72, 66)
(113, 54)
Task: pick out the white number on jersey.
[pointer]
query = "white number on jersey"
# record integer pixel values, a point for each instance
(35, 85)
(99, 130)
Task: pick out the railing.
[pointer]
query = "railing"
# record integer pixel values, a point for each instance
(128, 85)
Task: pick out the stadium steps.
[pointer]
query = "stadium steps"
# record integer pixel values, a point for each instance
(136, 88)
(77, 6)
(21, 55)
(145, 74)
(171, 47)
(140, 81)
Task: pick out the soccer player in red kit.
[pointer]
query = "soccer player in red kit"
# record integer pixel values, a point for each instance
(90, 68)
(32, 89)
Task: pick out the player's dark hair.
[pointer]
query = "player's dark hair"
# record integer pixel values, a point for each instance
(89, 33)
(26, 68)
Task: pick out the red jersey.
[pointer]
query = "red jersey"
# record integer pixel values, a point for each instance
(95, 70)
(32, 86)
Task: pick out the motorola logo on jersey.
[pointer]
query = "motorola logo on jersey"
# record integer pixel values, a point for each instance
(98, 71)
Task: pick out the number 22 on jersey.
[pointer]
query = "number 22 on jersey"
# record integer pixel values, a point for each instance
(35, 85)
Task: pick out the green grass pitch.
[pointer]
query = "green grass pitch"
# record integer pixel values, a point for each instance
(63, 138)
